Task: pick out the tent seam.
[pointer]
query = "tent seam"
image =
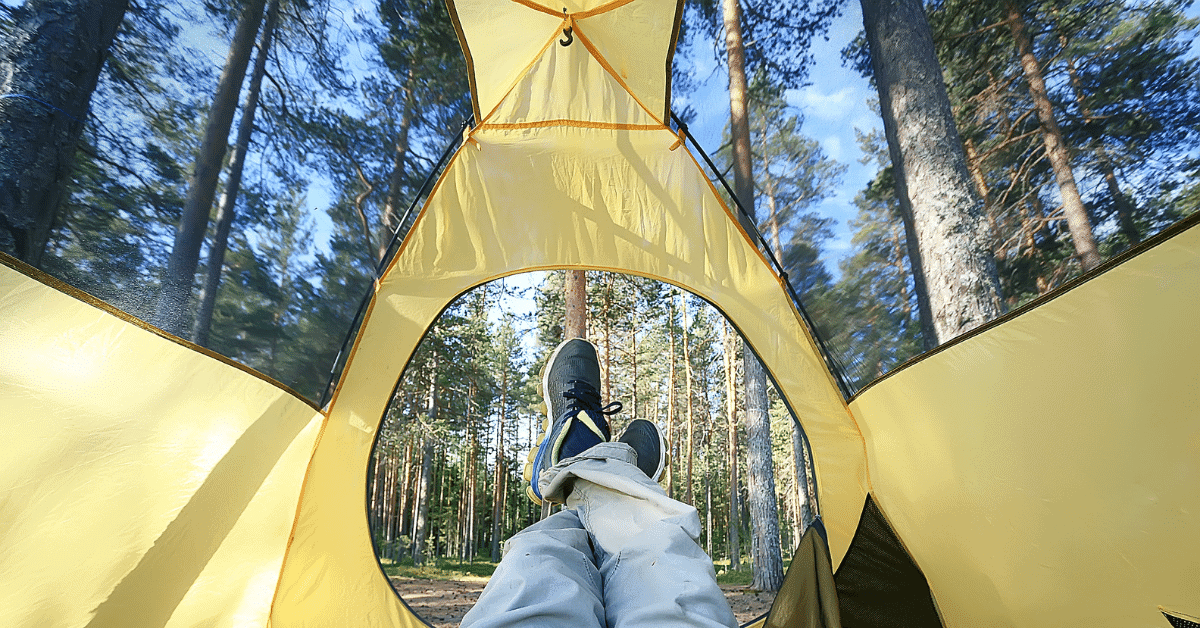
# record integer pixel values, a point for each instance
(587, 43)
(287, 550)
(525, 72)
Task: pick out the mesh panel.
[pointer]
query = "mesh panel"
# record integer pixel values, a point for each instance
(1179, 622)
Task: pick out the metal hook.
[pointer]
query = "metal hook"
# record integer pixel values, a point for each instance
(567, 32)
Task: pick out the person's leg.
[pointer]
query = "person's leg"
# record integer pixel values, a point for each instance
(654, 571)
(546, 578)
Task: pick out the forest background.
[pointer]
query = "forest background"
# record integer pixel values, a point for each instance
(317, 148)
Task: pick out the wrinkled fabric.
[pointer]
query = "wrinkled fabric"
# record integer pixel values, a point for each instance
(622, 555)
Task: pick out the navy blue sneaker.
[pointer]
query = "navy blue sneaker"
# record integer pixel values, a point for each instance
(649, 444)
(575, 420)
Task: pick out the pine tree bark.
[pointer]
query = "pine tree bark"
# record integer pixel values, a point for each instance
(671, 394)
(471, 487)
(633, 356)
(575, 294)
(395, 200)
(932, 182)
(739, 111)
(768, 561)
(405, 482)
(691, 439)
(1052, 137)
(171, 313)
(801, 471)
(48, 71)
(729, 347)
(760, 479)
(421, 506)
(226, 209)
(501, 472)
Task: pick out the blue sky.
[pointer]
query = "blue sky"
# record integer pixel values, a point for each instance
(833, 105)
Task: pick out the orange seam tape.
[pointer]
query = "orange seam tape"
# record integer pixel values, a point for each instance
(587, 43)
(523, 73)
(537, 7)
(583, 124)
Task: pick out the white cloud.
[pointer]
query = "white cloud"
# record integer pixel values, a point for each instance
(830, 107)
(832, 146)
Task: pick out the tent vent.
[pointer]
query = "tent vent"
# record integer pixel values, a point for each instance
(1179, 622)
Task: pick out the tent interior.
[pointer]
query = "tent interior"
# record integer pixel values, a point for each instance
(1043, 470)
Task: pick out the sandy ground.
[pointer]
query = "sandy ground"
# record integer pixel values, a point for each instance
(442, 603)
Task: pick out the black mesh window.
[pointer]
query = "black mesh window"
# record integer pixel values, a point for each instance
(1179, 622)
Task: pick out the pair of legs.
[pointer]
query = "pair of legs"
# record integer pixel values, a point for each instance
(622, 553)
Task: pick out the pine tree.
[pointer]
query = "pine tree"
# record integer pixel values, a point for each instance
(51, 61)
(172, 312)
(932, 180)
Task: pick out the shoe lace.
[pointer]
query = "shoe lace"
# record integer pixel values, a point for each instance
(586, 397)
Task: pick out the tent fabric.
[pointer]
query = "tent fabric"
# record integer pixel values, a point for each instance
(144, 482)
(1046, 472)
(808, 597)
(632, 41)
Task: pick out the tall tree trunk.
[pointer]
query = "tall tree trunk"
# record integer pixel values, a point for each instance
(227, 207)
(671, 393)
(441, 542)
(739, 111)
(501, 472)
(729, 347)
(708, 496)
(760, 479)
(395, 200)
(421, 507)
(772, 212)
(471, 484)
(768, 562)
(389, 501)
(687, 369)
(171, 313)
(405, 482)
(575, 325)
(1052, 137)
(799, 494)
(929, 333)
(932, 181)
(49, 68)
(633, 355)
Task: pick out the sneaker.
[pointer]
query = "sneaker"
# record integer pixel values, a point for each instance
(651, 447)
(574, 421)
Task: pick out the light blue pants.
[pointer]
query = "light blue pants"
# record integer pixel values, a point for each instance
(622, 555)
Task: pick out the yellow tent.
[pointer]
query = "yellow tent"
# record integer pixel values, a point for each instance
(1043, 472)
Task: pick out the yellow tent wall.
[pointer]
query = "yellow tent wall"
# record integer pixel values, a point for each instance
(1046, 472)
(143, 482)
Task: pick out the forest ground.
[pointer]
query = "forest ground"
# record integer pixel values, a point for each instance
(443, 603)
